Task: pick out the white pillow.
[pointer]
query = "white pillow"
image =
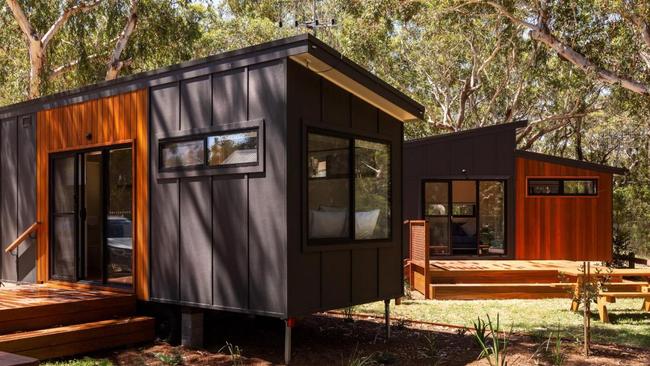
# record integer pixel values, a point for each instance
(365, 223)
(325, 224)
(469, 228)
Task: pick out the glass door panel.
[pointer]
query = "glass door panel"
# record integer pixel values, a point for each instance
(119, 233)
(92, 217)
(463, 217)
(436, 212)
(492, 217)
(64, 215)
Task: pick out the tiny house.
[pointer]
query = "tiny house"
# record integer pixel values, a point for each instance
(483, 198)
(266, 180)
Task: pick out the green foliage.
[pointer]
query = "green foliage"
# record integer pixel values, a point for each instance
(359, 359)
(493, 342)
(468, 66)
(173, 359)
(235, 353)
(86, 361)
(429, 350)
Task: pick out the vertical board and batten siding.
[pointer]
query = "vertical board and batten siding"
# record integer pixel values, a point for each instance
(219, 241)
(334, 278)
(118, 119)
(17, 196)
(485, 155)
(568, 228)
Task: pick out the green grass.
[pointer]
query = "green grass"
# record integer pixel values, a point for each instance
(630, 326)
(86, 361)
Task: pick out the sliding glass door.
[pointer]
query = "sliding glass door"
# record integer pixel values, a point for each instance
(91, 231)
(466, 217)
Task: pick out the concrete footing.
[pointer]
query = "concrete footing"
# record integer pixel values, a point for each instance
(192, 329)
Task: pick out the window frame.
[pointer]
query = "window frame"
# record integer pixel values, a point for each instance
(561, 180)
(349, 240)
(503, 180)
(205, 169)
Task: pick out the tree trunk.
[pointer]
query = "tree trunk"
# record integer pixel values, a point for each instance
(37, 62)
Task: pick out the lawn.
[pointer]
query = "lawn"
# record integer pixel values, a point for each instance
(630, 326)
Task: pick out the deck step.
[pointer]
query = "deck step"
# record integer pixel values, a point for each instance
(485, 291)
(76, 339)
(83, 310)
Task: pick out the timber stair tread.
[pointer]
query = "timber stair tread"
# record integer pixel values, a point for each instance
(79, 338)
(45, 322)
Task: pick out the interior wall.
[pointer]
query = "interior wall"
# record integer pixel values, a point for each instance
(570, 228)
(218, 241)
(355, 273)
(17, 196)
(111, 120)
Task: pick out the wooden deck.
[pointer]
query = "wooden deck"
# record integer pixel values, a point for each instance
(498, 279)
(46, 322)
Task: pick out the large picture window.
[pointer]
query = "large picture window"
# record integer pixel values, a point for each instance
(562, 187)
(344, 175)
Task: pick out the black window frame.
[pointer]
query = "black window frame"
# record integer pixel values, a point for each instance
(205, 169)
(350, 239)
(504, 181)
(561, 182)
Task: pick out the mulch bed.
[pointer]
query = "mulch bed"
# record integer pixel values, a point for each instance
(327, 339)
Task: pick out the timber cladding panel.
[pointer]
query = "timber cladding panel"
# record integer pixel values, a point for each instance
(562, 227)
(118, 119)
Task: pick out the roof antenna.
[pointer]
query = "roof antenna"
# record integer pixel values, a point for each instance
(314, 24)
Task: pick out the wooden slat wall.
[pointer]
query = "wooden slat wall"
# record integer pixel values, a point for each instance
(571, 228)
(112, 120)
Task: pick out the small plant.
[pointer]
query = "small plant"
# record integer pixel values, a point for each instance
(349, 313)
(385, 358)
(358, 359)
(173, 359)
(493, 342)
(429, 350)
(558, 356)
(461, 331)
(235, 353)
(407, 289)
(480, 332)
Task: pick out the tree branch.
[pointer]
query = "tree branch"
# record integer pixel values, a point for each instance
(23, 22)
(115, 65)
(541, 34)
(63, 18)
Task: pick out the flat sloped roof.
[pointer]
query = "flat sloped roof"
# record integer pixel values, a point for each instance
(570, 162)
(301, 48)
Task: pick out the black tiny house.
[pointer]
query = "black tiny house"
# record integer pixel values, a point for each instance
(223, 183)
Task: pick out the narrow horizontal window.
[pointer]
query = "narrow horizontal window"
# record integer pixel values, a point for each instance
(580, 187)
(233, 148)
(562, 187)
(182, 154)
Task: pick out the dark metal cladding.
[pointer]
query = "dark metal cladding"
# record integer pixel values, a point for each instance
(324, 278)
(483, 153)
(26, 196)
(9, 194)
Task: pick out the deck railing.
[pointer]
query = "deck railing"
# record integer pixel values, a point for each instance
(24, 236)
(418, 231)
